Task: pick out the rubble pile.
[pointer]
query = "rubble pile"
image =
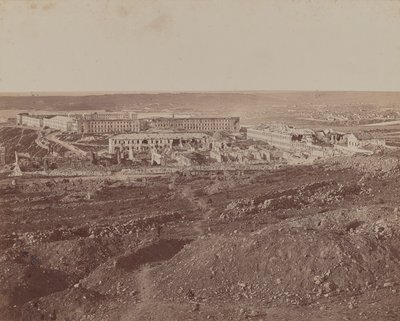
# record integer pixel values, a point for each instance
(367, 164)
(315, 194)
(378, 221)
(282, 264)
(62, 185)
(219, 186)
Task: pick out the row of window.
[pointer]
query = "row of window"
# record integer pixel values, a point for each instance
(141, 141)
(145, 141)
(198, 126)
(118, 126)
(102, 124)
(145, 147)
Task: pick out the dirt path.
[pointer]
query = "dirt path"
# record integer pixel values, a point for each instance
(39, 142)
(138, 311)
(52, 137)
(198, 226)
(20, 137)
(144, 284)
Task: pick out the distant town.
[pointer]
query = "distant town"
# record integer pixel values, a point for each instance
(99, 141)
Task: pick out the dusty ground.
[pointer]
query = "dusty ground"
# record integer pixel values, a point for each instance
(21, 140)
(25, 141)
(314, 242)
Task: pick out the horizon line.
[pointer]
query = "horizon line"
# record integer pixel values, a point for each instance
(96, 93)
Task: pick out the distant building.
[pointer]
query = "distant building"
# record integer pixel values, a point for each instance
(25, 119)
(95, 123)
(363, 139)
(99, 126)
(204, 124)
(108, 122)
(110, 116)
(63, 123)
(282, 136)
(127, 122)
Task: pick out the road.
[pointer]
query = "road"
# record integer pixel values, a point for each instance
(52, 137)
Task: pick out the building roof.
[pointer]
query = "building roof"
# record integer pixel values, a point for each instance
(364, 136)
(59, 117)
(284, 129)
(32, 116)
(162, 135)
(193, 118)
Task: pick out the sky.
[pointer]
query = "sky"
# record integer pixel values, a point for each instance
(199, 45)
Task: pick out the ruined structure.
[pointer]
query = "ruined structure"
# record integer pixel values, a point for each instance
(139, 142)
(157, 158)
(322, 143)
(360, 140)
(2, 155)
(294, 142)
(224, 152)
(282, 136)
(17, 170)
(330, 136)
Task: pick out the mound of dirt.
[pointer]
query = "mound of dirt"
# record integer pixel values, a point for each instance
(316, 194)
(374, 164)
(283, 264)
(160, 251)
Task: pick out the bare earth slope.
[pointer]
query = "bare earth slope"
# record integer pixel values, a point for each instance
(314, 242)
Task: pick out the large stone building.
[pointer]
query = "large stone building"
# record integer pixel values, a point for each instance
(99, 126)
(63, 123)
(25, 119)
(204, 124)
(138, 142)
(127, 122)
(110, 116)
(59, 122)
(96, 123)
(108, 122)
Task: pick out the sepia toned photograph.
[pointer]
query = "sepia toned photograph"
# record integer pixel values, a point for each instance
(195, 160)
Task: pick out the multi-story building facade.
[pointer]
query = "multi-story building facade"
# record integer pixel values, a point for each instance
(127, 122)
(110, 116)
(154, 141)
(25, 119)
(228, 124)
(96, 123)
(62, 123)
(100, 126)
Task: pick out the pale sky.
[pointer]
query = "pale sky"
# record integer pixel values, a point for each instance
(196, 45)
